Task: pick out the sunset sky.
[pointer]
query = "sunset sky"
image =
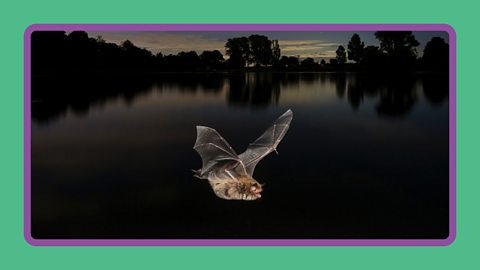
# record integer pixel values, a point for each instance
(318, 45)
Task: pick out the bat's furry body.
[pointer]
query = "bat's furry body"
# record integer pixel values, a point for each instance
(229, 174)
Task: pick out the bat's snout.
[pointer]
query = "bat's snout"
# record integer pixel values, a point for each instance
(257, 190)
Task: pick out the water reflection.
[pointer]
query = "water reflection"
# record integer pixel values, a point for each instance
(116, 156)
(341, 84)
(253, 90)
(435, 88)
(398, 99)
(395, 96)
(53, 97)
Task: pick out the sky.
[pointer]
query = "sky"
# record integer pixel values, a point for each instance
(318, 45)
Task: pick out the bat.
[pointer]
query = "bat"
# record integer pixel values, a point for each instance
(231, 175)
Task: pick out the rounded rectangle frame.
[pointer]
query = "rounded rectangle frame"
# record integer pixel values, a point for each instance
(240, 242)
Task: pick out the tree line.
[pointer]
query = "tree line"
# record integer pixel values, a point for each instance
(55, 52)
(58, 52)
(397, 51)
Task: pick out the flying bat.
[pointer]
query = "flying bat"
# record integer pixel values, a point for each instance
(231, 175)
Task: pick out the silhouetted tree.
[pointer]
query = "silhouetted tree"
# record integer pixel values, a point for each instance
(308, 63)
(293, 62)
(158, 62)
(333, 62)
(397, 42)
(136, 58)
(275, 52)
(399, 47)
(239, 51)
(256, 49)
(283, 62)
(373, 58)
(235, 61)
(110, 57)
(48, 51)
(355, 48)
(188, 60)
(435, 55)
(128, 45)
(81, 50)
(323, 62)
(211, 59)
(170, 62)
(99, 39)
(260, 50)
(341, 55)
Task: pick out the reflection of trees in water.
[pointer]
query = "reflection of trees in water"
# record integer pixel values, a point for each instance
(53, 97)
(435, 88)
(192, 82)
(396, 95)
(398, 98)
(261, 89)
(355, 95)
(308, 77)
(253, 89)
(340, 84)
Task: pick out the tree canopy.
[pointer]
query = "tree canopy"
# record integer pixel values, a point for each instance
(399, 46)
(355, 48)
(255, 49)
(341, 55)
(435, 55)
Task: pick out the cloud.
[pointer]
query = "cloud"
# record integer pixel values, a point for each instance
(164, 42)
(316, 43)
(308, 48)
(175, 42)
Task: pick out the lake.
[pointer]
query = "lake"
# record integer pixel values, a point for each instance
(366, 156)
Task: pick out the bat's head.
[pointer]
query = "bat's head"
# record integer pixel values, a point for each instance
(249, 189)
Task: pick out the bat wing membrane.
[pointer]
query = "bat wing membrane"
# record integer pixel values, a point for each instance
(218, 157)
(266, 143)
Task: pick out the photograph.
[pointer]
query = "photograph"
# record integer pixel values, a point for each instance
(235, 134)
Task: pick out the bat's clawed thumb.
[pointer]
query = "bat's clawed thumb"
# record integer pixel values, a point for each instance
(197, 174)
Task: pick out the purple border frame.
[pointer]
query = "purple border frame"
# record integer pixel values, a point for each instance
(244, 242)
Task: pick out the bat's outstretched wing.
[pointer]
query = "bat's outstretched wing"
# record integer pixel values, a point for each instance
(266, 143)
(218, 156)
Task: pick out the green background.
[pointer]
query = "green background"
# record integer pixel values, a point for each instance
(15, 253)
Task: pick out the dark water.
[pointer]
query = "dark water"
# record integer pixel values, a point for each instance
(365, 157)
